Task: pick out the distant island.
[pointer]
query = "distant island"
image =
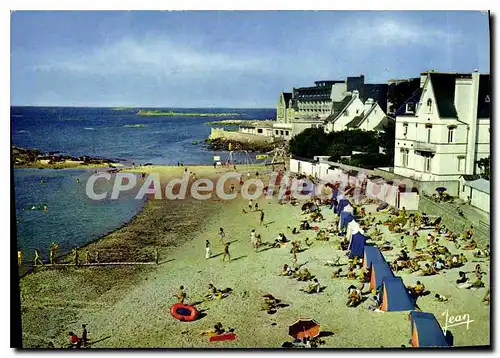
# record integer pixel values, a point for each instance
(193, 114)
(123, 108)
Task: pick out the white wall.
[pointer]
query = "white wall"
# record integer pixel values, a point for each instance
(373, 119)
(338, 90)
(355, 106)
(408, 200)
(480, 200)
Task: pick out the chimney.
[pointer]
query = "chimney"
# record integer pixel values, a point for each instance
(355, 93)
(471, 120)
(423, 77)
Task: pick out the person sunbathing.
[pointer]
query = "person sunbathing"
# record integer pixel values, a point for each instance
(428, 270)
(477, 284)
(417, 290)
(217, 330)
(364, 276)
(471, 246)
(313, 287)
(286, 270)
(337, 273)
(414, 266)
(462, 277)
(462, 259)
(308, 243)
(440, 298)
(351, 275)
(354, 298)
(213, 293)
(478, 270)
(304, 275)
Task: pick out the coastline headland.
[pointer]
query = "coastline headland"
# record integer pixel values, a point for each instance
(220, 139)
(143, 112)
(34, 158)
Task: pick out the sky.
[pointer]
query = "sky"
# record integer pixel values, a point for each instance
(238, 59)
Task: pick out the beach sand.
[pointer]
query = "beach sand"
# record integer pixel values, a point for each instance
(128, 307)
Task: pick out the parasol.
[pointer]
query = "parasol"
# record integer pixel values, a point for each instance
(305, 327)
(441, 189)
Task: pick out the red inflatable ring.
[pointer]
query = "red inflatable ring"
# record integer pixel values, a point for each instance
(184, 313)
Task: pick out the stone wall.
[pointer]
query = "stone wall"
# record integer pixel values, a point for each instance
(220, 133)
(453, 221)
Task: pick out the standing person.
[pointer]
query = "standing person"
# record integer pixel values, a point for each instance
(294, 259)
(84, 336)
(414, 242)
(75, 257)
(250, 205)
(215, 165)
(252, 237)
(261, 217)
(221, 236)
(207, 249)
(181, 295)
(53, 249)
(256, 206)
(19, 257)
(37, 258)
(226, 253)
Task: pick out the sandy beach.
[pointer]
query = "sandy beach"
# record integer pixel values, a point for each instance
(128, 306)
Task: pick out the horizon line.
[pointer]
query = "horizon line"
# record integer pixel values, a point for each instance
(135, 107)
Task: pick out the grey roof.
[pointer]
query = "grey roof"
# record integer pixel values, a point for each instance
(356, 121)
(287, 96)
(383, 123)
(470, 177)
(480, 184)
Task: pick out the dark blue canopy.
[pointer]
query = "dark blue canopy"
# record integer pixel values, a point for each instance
(371, 254)
(345, 218)
(429, 332)
(395, 297)
(381, 270)
(357, 246)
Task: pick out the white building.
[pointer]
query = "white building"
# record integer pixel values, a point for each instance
(444, 128)
(477, 190)
(372, 118)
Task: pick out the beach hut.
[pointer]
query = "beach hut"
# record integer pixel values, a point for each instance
(343, 202)
(394, 296)
(357, 245)
(353, 228)
(345, 219)
(379, 271)
(426, 331)
(371, 254)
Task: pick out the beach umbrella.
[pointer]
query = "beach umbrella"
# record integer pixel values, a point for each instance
(441, 189)
(305, 327)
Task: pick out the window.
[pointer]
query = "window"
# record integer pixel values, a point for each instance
(286, 132)
(357, 111)
(404, 157)
(276, 132)
(463, 188)
(259, 130)
(405, 129)
(346, 113)
(428, 135)
(281, 132)
(460, 164)
(450, 135)
(427, 164)
(429, 105)
(410, 107)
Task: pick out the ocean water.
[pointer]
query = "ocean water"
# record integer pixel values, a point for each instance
(72, 219)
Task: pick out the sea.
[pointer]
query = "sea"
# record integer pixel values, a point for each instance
(73, 220)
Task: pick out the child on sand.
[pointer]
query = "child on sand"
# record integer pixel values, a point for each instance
(261, 218)
(207, 249)
(226, 253)
(181, 295)
(250, 205)
(440, 298)
(221, 236)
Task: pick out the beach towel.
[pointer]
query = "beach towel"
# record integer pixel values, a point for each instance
(223, 337)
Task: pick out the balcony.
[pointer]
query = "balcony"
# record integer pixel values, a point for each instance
(425, 147)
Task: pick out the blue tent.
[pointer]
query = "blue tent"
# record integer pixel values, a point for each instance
(426, 331)
(357, 246)
(394, 296)
(372, 254)
(345, 218)
(380, 270)
(342, 204)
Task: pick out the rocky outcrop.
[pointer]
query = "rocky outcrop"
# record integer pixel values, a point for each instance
(222, 144)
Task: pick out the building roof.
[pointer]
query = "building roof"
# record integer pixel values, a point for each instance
(386, 120)
(339, 107)
(443, 85)
(287, 96)
(480, 184)
(470, 177)
(484, 97)
(378, 92)
(415, 98)
(356, 121)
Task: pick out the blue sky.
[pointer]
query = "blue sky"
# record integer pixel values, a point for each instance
(228, 59)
